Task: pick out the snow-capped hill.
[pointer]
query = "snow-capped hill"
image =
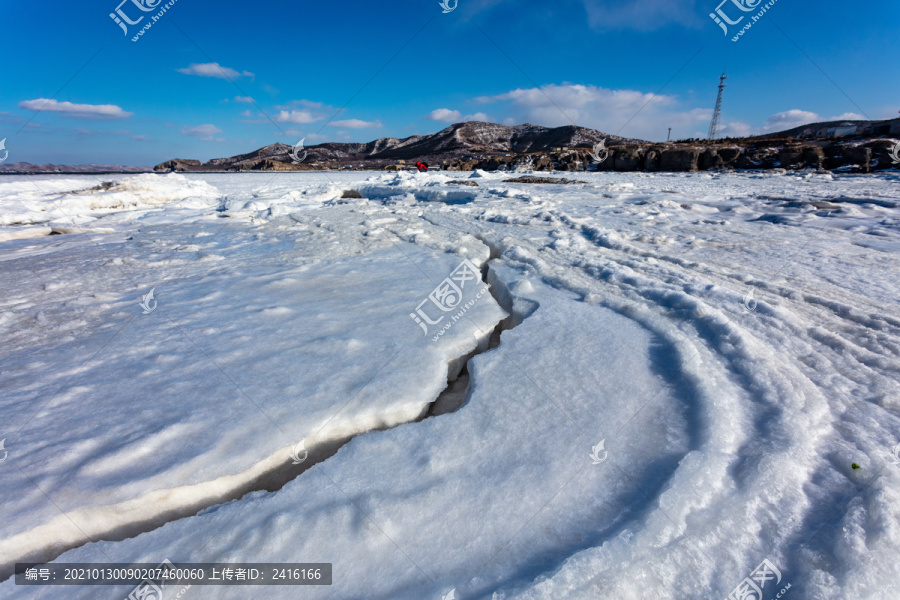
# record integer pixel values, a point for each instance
(456, 141)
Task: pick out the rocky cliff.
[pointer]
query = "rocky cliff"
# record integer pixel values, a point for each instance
(488, 146)
(456, 141)
(860, 156)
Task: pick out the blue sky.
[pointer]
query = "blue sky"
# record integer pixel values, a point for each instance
(75, 89)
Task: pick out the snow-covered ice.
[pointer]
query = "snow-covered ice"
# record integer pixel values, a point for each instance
(649, 384)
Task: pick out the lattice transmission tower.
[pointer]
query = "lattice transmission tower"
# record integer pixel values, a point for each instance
(714, 124)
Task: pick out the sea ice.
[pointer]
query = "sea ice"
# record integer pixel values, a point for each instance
(658, 382)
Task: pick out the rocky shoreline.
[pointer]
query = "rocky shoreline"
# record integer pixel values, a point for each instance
(856, 156)
(491, 147)
(847, 156)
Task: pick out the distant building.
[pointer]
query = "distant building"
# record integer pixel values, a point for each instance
(834, 131)
(842, 131)
(891, 127)
(873, 128)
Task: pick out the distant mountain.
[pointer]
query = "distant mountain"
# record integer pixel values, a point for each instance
(456, 141)
(28, 168)
(826, 129)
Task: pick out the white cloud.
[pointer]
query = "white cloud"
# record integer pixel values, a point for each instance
(296, 116)
(78, 111)
(245, 99)
(790, 119)
(628, 113)
(355, 124)
(444, 115)
(735, 129)
(307, 111)
(206, 133)
(848, 117)
(213, 70)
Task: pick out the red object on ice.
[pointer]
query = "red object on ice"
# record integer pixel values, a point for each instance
(421, 166)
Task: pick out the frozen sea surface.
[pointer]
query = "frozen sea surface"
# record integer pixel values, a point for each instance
(642, 386)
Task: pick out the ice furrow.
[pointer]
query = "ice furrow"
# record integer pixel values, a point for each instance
(130, 518)
(152, 510)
